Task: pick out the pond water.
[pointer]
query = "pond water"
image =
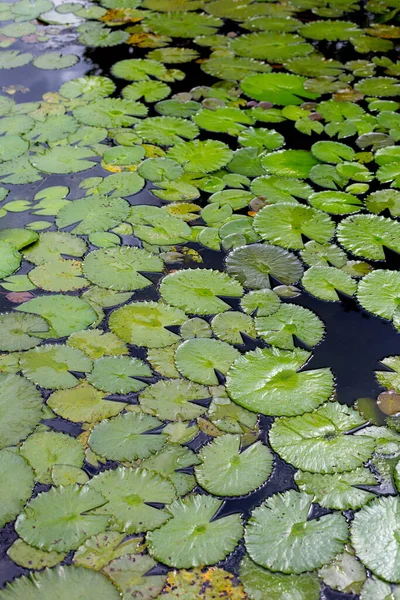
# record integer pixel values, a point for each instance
(199, 302)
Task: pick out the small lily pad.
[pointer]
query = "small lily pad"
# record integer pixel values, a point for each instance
(198, 359)
(173, 400)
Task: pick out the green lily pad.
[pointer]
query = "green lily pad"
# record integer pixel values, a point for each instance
(12, 146)
(64, 159)
(267, 381)
(166, 131)
(280, 536)
(64, 583)
(223, 120)
(324, 282)
(382, 87)
(30, 557)
(20, 407)
(50, 366)
(83, 404)
(260, 302)
(191, 538)
(252, 265)
(19, 479)
(381, 517)
(18, 331)
(239, 472)
(110, 112)
(138, 69)
(93, 213)
(233, 68)
(258, 581)
(129, 493)
(167, 463)
(130, 576)
(144, 324)
(290, 320)
(116, 374)
(62, 518)
(98, 551)
(271, 46)
(366, 235)
(278, 88)
(55, 60)
(58, 276)
(10, 259)
(65, 314)
(124, 438)
(88, 88)
(201, 156)
(329, 30)
(198, 359)
(338, 491)
(96, 344)
(172, 400)
(119, 268)
(11, 59)
(43, 450)
(289, 163)
(345, 573)
(229, 326)
(319, 442)
(336, 203)
(323, 255)
(198, 291)
(378, 292)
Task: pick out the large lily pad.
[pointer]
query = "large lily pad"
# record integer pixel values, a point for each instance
(288, 321)
(20, 409)
(191, 538)
(268, 381)
(18, 331)
(278, 88)
(367, 235)
(281, 537)
(378, 292)
(319, 441)
(50, 366)
(92, 214)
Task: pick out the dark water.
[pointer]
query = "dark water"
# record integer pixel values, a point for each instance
(354, 342)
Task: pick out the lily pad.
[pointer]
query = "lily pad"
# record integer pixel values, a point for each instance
(166, 131)
(130, 576)
(62, 518)
(110, 112)
(63, 160)
(116, 374)
(130, 493)
(64, 583)
(367, 235)
(192, 537)
(199, 291)
(378, 292)
(172, 400)
(18, 331)
(145, 324)
(10, 259)
(252, 265)
(201, 156)
(319, 441)
(229, 326)
(18, 489)
(168, 462)
(52, 245)
(198, 359)
(209, 584)
(336, 203)
(43, 450)
(30, 557)
(83, 404)
(124, 438)
(55, 60)
(268, 381)
(239, 472)
(281, 537)
(50, 366)
(278, 88)
(92, 214)
(20, 408)
(119, 268)
(325, 282)
(288, 321)
(99, 550)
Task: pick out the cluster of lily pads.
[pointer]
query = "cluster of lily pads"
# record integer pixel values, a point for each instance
(138, 379)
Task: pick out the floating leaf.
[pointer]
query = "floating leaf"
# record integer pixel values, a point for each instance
(267, 381)
(64, 582)
(336, 203)
(59, 520)
(110, 112)
(229, 326)
(201, 156)
(323, 255)
(138, 69)
(58, 276)
(338, 491)
(198, 291)
(65, 314)
(83, 404)
(367, 235)
(21, 409)
(191, 538)
(239, 472)
(99, 550)
(116, 375)
(289, 163)
(329, 30)
(260, 302)
(30, 557)
(63, 159)
(88, 88)
(11, 59)
(378, 201)
(223, 120)
(50, 366)
(198, 359)
(281, 537)
(252, 265)
(130, 576)
(144, 324)
(130, 493)
(319, 442)
(18, 331)
(119, 268)
(173, 400)
(93, 213)
(55, 60)
(378, 292)
(19, 480)
(278, 88)
(381, 517)
(345, 573)
(271, 46)
(233, 68)
(124, 438)
(10, 259)
(258, 581)
(284, 224)
(167, 461)
(43, 450)
(325, 282)
(288, 321)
